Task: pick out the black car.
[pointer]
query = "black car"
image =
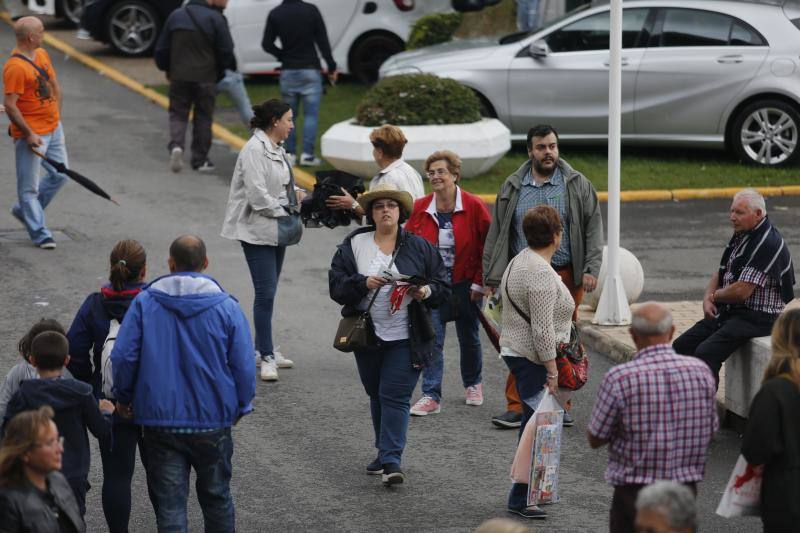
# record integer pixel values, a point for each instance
(130, 26)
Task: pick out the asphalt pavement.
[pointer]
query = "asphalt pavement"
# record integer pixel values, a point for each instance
(299, 458)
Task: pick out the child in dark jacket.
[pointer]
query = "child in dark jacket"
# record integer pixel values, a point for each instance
(75, 406)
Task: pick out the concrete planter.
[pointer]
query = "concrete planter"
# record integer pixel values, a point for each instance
(480, 145)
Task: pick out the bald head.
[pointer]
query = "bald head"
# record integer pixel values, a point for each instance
(187, 253)
(27, 27)
(651, 324)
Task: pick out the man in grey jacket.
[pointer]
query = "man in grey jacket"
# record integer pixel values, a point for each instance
(545, 179)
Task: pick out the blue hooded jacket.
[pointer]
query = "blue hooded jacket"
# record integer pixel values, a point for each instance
(184, 356)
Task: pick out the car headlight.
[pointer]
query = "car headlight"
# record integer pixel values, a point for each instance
(394, 71)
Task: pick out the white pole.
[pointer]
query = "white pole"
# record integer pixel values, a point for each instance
(612, 309)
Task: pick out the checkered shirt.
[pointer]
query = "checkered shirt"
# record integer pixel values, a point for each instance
(766, 297)
(658, 413)
(553, 193)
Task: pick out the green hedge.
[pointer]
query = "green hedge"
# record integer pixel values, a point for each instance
(418, 99)
(433, 29)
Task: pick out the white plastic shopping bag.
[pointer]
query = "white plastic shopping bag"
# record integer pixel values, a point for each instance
(539, 451)
(742, 496)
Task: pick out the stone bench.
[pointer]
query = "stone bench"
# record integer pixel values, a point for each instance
(744, 371)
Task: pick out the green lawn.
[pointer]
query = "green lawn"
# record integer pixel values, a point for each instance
(642, 168)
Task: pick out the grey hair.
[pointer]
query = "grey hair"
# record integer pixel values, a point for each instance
(642, 326)
(675, 501)
(754, 199)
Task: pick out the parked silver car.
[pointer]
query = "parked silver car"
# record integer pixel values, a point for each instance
(695, 73)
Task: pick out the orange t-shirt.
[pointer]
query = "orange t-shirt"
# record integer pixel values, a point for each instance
(37, 101)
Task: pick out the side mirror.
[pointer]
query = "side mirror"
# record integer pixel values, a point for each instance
(539, 49)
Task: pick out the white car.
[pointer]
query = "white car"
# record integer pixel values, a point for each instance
(362, 33)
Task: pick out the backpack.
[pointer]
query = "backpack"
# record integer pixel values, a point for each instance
(105, 360)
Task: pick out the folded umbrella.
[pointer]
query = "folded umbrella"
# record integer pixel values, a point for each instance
(491, 331)
(75, 176)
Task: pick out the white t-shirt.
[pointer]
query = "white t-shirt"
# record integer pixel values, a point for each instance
(403, 176)
(388, 327)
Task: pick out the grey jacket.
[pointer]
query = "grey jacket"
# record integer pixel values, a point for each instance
(585, 228)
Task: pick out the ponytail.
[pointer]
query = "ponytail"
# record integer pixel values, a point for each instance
(128, 258)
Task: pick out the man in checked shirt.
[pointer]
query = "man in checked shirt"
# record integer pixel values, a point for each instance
(754, 283)
(657, 414)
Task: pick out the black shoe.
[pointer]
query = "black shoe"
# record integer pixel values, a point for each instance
(47, 244)
(508, 420)
(206, 166)
(529, 512)
(375, 468)
(568, 420)
(392, 475)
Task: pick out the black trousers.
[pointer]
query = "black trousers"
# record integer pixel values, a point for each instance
(714, 339)
(183, 96)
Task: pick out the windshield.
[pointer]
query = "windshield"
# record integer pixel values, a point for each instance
(518, 36)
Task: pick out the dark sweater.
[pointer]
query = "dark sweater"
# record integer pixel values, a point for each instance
(299, 26)
(75, 410)
(772, 439)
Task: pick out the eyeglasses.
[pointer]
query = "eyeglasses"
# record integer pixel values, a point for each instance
(437, 172)
(385, 205)
(58, 443)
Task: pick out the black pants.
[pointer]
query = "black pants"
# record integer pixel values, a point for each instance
(183, 95)
(714, 339)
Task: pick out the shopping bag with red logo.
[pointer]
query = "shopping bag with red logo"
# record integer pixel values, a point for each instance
(742, 496)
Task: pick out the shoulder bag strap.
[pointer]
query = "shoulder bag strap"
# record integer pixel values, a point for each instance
(394, 255)
(39, 69)
(199, 28)
(513, 304)
(291, 194)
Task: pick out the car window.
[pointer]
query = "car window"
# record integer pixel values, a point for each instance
(591, 33)
(691, 27)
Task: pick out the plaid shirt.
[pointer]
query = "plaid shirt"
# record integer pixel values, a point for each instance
(552, 192)
(658, 413)
(766, 297)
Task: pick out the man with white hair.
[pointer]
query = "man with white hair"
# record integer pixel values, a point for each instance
(666, 507)
(656, 413)
(746, 294)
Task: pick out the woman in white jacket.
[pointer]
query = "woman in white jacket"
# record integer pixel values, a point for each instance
(260, 193)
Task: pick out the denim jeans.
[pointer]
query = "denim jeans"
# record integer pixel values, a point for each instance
(469, 343)
(527, 15)
(302, 86)
(119, 460)
(34, 193)
(170, 456)
(233, 85)
(265, 263)
(389, 380)
(531, 378)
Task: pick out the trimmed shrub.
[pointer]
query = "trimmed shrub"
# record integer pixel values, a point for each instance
(433, 29)
(418, 99)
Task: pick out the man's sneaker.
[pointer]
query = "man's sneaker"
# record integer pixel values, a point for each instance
(176, 159)
(568, 420)
(280, 360)
(309, 160)
(375, 468)
(47, 244)
(508, 420)
(529, 512)
(392, 475)
(205, 166)
(269, 370)
(292, 159)
(426, 406)
(475, 394)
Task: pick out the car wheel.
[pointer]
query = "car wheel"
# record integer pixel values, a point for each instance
(132, 27)
(766, 133)
(72, 10)
(369, 53)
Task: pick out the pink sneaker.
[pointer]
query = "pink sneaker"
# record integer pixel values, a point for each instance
(475, 394)
(426, 406)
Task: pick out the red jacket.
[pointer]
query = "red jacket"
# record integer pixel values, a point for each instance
(471, 222)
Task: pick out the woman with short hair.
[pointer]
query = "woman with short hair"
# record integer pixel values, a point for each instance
(456, 223)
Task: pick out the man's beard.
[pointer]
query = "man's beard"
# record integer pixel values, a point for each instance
(541, 170)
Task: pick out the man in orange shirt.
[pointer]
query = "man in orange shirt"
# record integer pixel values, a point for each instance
(32, 101)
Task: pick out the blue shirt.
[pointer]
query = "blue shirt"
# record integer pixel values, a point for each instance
(552, 192)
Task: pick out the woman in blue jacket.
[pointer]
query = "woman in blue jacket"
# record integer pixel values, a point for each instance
(362, 265)
(87, 336)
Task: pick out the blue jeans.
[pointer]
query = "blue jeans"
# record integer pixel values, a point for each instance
(34, 193)
(119, 460)
(531, 378)
(469, 342)
(233, 85)
(265, 263)
(527, 14)
(170, 456)
(389, 379)
(302, 86)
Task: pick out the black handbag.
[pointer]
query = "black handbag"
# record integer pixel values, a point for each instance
(459, 303)
(290, 227)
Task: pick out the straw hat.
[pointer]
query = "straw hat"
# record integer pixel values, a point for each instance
(386, 190)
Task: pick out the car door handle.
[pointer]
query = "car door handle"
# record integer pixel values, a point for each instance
(729, 60)
(624, 62)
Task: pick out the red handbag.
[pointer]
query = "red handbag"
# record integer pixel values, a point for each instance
(572, 362)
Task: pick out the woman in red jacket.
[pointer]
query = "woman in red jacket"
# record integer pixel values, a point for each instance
(456, 222)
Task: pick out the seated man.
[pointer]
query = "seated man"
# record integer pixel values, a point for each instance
(752, 286)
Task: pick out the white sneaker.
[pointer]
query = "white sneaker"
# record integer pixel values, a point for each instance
(269, 371)
(280, 360)
(309, 160)
(176, 159)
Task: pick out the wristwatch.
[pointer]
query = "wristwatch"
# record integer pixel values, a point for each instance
(354, 205)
